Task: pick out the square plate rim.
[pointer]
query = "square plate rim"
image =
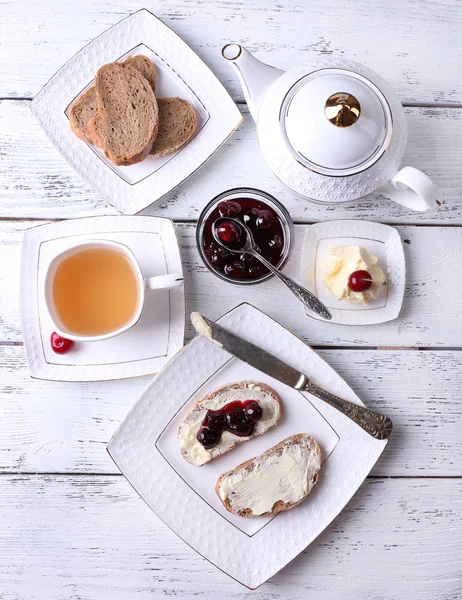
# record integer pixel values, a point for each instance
(381, 314)
(376, 445)
(35, 236)
(113, 190)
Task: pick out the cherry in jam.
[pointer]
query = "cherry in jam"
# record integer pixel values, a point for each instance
(237, 417)
(267, 231)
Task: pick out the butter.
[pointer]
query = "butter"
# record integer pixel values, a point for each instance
(339, 262)
(201, 325)
(190, 427)
(203, 328)
(287, 477)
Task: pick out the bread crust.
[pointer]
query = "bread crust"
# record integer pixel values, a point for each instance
(237, 385)
(280, 505)
(93, 130)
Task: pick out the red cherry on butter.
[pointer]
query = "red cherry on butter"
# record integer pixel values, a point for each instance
(59, 344)
(360, 281)
(228, 232)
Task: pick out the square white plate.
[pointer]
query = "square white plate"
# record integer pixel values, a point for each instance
(180, 72)
(145, 448)
(142, 350)
(380, 240)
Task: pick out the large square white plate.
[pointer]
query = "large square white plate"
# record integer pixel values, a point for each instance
(142, 350)
(145, 448)
(180, 72)
(380, 240)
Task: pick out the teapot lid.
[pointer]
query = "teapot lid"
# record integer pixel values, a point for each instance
(336, 122)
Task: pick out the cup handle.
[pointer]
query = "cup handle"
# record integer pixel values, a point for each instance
(413, 189)
(161, 282)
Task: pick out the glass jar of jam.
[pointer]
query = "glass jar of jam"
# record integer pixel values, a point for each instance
(271, 227)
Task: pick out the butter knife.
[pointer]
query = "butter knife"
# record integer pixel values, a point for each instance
(375, 424)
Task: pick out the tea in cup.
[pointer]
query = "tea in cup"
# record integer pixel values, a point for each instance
(96, 290)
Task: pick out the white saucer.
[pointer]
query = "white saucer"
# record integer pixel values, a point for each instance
(146, 450)
(142, 350)
(380, 240)
(179, 72)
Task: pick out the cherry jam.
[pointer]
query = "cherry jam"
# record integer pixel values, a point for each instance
(267, 230)
(238, 417)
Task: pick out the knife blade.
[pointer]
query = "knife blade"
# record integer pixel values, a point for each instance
(376, 424)
(249, 353)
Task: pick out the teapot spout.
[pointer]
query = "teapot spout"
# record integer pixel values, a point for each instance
(255, 76)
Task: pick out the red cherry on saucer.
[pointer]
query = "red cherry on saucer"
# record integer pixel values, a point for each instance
(228, 232)
(59, 344)
(360, 281)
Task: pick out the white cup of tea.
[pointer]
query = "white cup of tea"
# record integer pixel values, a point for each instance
(96, 290)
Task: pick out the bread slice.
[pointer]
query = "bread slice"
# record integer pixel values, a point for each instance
(177, 123)
(84, 119)
(144, 66)
(270, 403)
(129, 113)
(276, 481)
(94, 130)
(82, 110)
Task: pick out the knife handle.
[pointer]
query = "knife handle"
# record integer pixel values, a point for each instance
(377, 425)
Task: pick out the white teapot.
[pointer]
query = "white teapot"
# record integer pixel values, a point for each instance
(332, 131)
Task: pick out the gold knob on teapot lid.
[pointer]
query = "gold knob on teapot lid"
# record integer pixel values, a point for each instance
(342, 109)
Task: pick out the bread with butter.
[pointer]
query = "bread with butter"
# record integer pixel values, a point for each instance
(270, 403)
(276, 481)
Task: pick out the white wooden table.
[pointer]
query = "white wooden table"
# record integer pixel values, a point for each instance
(71, 527)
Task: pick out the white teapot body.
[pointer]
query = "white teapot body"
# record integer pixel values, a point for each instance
(355, 154)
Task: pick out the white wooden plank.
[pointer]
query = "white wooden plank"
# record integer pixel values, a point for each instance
(430, 315)
(36, 182)
(93, 537)
(60, 427)
(414, 47)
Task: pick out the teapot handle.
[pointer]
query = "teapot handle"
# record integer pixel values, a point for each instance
(413, 189)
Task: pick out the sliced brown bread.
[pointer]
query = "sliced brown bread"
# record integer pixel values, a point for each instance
(94, 131)
(82, 110)
(83, 115)
(268, 399)
(177, 123)
(145, 66)
(276, 481)
(129, 113)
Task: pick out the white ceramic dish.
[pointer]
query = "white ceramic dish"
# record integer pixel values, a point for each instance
(142, 350)
(146, 450)
(180, 72)
(381, 240)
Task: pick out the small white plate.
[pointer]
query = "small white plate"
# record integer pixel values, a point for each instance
(381, 240)
(142, 350)
(145, 448)
(179, 72)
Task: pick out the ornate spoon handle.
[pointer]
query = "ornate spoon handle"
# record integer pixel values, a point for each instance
(304, 295)
(377, 425)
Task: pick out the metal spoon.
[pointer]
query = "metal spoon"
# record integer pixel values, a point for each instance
(247, 246)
